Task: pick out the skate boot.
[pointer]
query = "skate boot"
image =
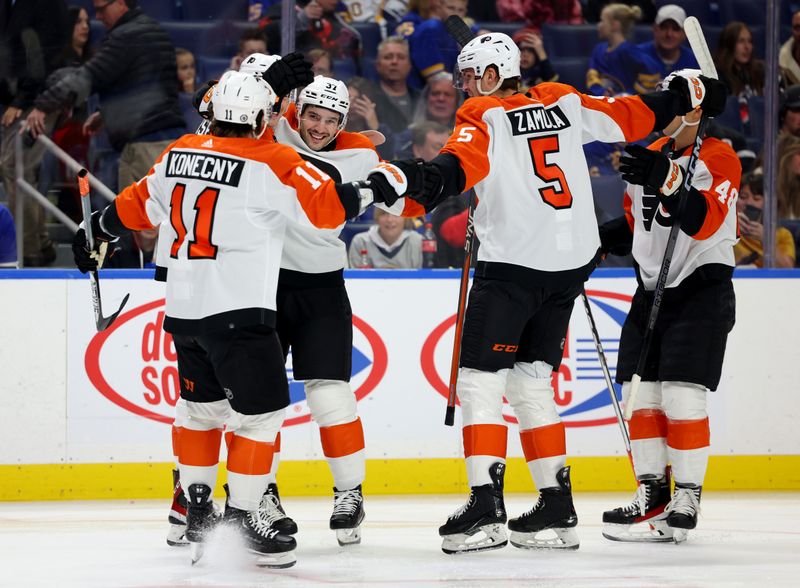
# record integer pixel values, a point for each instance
(274, 550)
(284, 524)
(176, 536)
(201, 518)
(553, 511)
(683, 509)
(479, 525)
(643, 519)
(348, 514)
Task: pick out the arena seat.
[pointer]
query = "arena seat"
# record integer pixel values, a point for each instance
(569, 40)
(750, 12)
(571, 71)
(211, 68)
(370, 37)
(214, 10)
(731, 117)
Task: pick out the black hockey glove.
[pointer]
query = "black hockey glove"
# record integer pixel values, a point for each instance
(414, 169)
(202, 100)
(616, 237)
(88, 260)
(382, 191)
(711, 99)
(289, 72)
(651, 169)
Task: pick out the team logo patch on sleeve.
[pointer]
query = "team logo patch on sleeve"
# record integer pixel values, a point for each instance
(204, 166)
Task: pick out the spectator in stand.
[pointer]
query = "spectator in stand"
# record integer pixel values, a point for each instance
(321, 62)
(737, 68)
(668, 47)
(427, 139)
(617, 66)
(396, 101)
(321, 26)
(388, 244)
(593, 9)
(789, 56)
(534, 64)
(535, 13)
(363, 115)
(432, 50)
(789, 181)
(187, 70)
(790, 111)
(750, 207)
(32, 36)
(251, 41)
(386, 13)
(439, 101)
(418, 12)
(8, 239)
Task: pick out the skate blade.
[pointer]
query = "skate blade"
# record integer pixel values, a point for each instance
(652, 532)
(565, 538)
(680, 535)
(483, 538)
(348, 536)
(176, 536)
(276, 560)
(196, 551)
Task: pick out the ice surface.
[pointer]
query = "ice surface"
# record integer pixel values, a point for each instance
(742, 540)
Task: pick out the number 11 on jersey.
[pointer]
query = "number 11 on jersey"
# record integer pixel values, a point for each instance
(201, 246)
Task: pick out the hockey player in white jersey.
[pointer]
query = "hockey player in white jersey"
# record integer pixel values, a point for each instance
(669, 423)
(539, 242)
(314, 319)
(227, 197)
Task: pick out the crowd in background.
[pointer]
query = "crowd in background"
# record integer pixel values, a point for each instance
(112, 81)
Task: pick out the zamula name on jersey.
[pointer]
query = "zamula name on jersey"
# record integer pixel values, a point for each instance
(201, 166)
(537, 119)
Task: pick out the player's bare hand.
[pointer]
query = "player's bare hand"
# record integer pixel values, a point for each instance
(10, 115)
(35, 122)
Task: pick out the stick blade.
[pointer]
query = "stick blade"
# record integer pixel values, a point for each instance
(697, 41)
(103, 323)
(458, 29)
(450, 416)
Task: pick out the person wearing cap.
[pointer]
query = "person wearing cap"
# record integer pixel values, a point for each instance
(668, 47)
(789, 56)
(790, 111)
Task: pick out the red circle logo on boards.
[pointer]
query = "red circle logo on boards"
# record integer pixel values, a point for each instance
(581, 393)
(134, 365)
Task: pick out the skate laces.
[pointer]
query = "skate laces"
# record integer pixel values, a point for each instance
(346, 502)
(684, 502)
(539, 504)
(261, 522)
(639, 504)
(269, 511)
(463, 508)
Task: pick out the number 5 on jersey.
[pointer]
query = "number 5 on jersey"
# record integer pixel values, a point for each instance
(200, 247)
(557, 194)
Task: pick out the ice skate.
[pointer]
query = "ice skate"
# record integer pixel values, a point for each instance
(682, 511)
(271, 503)
(348, 514)
(553, 513)
(176, 536)
(272, 548)
(479, 525)
(644, 519)
(201, 518)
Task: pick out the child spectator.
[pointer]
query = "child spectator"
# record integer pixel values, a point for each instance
(617, 66)
(388, 244)
(750, 207)
(534, 64)
(187, 70)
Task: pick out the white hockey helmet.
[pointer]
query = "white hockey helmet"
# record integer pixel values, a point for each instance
(239, 97)
(327, 93)
(257, 63)
(496, 49)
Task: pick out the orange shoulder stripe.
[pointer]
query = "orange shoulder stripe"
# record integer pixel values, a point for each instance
(726, 173)
(470, 139)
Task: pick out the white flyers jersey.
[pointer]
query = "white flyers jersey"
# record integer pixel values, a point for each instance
(226, 202)
(716, 177)
(311, 250)
(524, 156)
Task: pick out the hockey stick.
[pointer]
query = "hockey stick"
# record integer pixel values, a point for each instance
(698, 44)
(611, 390)
(461, 33)
(101, 322)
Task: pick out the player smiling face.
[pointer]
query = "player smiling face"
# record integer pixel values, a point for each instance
(318, 126)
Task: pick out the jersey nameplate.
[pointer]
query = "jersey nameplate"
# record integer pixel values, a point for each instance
(537, 119)
(203, 166)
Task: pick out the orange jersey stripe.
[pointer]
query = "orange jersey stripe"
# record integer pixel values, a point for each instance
(176, 440)
(541, 442)
(688, 434)
(228, 440)
(485, 440)
(200, 448)
(278, 442)
(627, 204)
(648, 424)
(342, 440)
(250, 457)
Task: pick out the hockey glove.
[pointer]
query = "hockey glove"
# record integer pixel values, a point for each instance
(202, 100)
(88, 260)
(616, 237)
(388, 183)
(698, 90)
(289, 72)
(651, 169)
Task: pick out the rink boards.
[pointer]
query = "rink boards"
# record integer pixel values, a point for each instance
(87, 415)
